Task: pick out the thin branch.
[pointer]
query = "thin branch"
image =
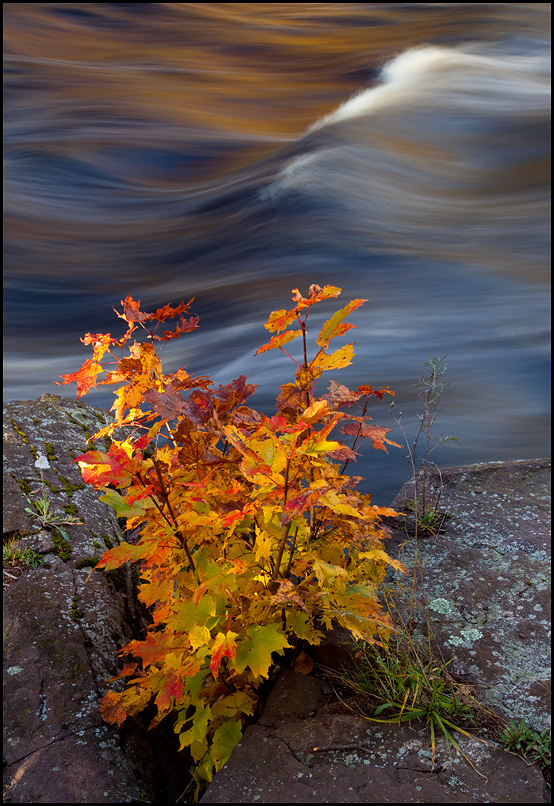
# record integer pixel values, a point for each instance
(175, 524)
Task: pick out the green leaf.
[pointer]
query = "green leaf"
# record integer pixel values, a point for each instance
(122, 509)
(225, 738)
(196, 737)
(190, 616)
(232, 704)
(382, 707)
(255, 651)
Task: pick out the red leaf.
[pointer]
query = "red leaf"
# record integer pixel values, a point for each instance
(233, 517)
(100, 469)
(131, 311)
(199, 406)
(223, 647)
(369, 390)
(134, 494)
(300, 503)
(343, 454)
(236, 392)
(169, 404)
(375, 433)
(186, 327)
(339, 395)
(167, 312)
(172, 686)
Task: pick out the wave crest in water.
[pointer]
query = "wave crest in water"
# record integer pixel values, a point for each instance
(448, 156)
(518, 84)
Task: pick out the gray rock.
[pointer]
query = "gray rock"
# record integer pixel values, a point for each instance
(63, 627)
(485, 584)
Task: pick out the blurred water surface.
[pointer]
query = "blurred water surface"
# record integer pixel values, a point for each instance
(234, 151)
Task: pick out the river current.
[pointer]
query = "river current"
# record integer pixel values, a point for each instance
(235, 151)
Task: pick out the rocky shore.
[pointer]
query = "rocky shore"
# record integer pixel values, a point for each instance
(483, 583)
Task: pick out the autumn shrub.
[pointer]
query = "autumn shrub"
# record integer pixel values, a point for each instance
(252, 538)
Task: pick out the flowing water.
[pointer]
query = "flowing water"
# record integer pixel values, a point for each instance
(234, 151)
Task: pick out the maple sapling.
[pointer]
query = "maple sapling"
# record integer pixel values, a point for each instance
(251, 536)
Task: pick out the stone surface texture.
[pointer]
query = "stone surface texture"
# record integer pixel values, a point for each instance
(64, 625)
(485, 583)
(302, 751)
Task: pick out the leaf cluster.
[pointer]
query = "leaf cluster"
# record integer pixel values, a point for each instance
(252, 537)
(529, 743)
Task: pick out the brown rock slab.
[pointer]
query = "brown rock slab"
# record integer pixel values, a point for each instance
(315, 755)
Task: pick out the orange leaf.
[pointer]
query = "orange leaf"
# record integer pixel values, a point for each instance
(111, 709)
(278, 341)
(116, 706)
(84, 377)
(316, 294)
(280, 320)
(224, 646)
(369, 390)
(128, 669)
(335, 325)
(125, 552)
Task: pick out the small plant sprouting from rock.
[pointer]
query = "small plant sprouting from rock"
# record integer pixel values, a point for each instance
(13, 555)
(404, 681)
(41, 504)
(528, 743)
(431, 387)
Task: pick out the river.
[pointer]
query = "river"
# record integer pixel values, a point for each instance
(235, 151)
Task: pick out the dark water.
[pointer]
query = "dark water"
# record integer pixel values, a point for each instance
(233, 151)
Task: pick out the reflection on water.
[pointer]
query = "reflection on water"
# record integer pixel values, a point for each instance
(233, 151)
